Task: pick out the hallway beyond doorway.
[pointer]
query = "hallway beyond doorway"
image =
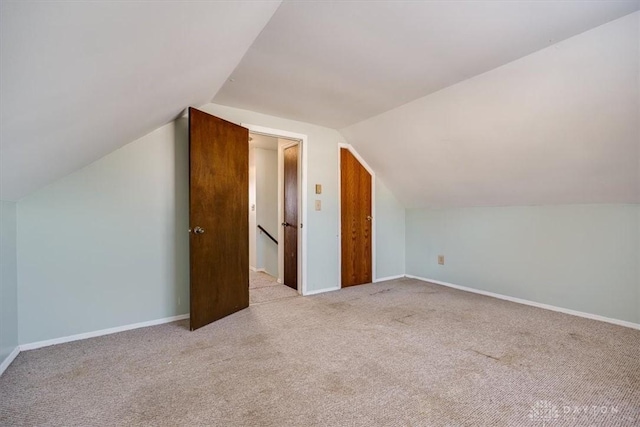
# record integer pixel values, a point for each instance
(264, 288)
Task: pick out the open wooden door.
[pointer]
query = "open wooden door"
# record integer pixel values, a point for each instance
(356, 220)
(291, 221)
(218, 217)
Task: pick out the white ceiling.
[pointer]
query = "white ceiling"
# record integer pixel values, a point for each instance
(81, 79)
(558, 126)
(338, 63)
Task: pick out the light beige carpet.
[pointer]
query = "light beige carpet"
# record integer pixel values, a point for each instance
(399, 353)
(259, 279)
(265, 288)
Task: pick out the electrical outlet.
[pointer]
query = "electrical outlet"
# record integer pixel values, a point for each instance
(441, 259)
(318, 205)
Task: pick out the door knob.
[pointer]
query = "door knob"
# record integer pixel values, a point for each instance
(369, 217)
(285, 224)
(198, 230)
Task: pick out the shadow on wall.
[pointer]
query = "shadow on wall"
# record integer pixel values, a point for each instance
(181, 238)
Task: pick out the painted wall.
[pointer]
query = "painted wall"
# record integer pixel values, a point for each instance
(107, 245)
(266, 162)
(390, 233)
(551, 136)
(322, 226)
(8, 280)
(581, 257)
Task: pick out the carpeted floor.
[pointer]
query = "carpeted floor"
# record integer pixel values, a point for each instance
(398, 353)
(264, 288)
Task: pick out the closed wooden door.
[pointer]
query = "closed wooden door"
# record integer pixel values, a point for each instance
(356, 220)
(290, 223)
(219, 217)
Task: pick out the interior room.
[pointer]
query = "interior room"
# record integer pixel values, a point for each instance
(285, 213)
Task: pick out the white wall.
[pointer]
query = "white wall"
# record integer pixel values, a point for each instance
(107, 245)
(8, 281)
(580, 257)
(266, 162)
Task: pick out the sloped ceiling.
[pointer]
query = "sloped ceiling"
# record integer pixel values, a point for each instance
(80, 79)
(558, 126)
(402, 80)
(454, 104)
(338, 63)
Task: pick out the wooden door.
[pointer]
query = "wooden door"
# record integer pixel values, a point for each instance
(356, 220)
(218, 216)
(291, 222)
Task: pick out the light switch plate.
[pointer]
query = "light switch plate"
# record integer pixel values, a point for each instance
(318, 188)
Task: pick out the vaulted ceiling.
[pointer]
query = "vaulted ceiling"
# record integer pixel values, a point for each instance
(338, 63)
(80, 79)
(558, 126)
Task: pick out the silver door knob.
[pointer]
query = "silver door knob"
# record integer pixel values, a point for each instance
(198, 230)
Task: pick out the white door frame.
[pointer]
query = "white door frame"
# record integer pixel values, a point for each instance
(373, 211)
(301, 140)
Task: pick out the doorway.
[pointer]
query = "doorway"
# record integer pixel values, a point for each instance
(263, 204)
(276, 216)
(219, 215)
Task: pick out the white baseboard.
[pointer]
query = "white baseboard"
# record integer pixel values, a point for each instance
(532, 303)
(322, 291)
(61, 340)
(6, 362)
(384, 279)
(257, 270)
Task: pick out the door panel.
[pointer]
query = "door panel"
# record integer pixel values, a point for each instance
(356, 220)
(219, 205)
(291, 216)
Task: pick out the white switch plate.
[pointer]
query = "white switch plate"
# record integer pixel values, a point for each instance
(318, 205)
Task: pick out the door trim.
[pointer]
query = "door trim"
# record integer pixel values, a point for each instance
(301, 139)
(373, 211)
